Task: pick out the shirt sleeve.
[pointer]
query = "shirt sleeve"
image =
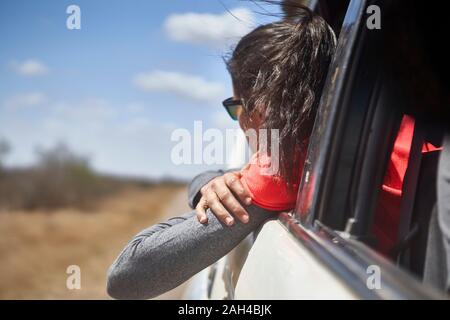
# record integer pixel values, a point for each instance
(165, 255)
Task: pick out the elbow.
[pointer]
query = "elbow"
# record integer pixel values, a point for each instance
(136, 274)
(132, 276)
(127, 283)
(119, 286)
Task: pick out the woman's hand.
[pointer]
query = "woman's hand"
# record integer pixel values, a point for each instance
(220, 196)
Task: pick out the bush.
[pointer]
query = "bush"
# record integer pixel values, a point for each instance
(60, 178)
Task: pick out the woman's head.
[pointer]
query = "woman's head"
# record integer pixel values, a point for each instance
(278, 71)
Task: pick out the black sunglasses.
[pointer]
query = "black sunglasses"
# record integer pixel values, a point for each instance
(233, 106)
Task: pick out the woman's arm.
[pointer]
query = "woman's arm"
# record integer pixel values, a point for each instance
(165, 255)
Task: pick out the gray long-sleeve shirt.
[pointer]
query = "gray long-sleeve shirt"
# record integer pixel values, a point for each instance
(165, 255)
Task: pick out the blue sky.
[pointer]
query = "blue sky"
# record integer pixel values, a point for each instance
(116, 89)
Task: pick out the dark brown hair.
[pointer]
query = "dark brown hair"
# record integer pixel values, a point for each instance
(279, 69)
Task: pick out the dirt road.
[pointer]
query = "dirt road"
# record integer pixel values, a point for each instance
(37, 247)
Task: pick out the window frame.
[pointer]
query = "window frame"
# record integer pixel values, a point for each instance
(337, 187)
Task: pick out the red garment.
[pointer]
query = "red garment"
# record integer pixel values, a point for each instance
(387, 217)
(267, 189)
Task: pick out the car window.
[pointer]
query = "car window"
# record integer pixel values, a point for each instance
(326, 183)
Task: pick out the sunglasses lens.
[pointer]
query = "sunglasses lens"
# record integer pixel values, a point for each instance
(234, 111)
(233, 107)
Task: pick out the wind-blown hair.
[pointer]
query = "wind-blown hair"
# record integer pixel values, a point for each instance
(279, 70)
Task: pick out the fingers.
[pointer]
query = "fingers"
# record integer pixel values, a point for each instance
(228, 200)
(221, 214)
(217, 208)
(221, 195)
(234, 183)
(201, 211)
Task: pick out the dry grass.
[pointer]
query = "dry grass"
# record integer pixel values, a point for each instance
(36, 248)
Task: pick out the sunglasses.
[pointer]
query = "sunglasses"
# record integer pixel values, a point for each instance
(233, 107)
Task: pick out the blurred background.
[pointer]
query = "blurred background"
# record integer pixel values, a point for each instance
(86, 118)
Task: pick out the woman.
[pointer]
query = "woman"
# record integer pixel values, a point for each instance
(278, 71)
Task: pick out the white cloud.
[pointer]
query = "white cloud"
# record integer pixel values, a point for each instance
(214, 30)
(188, 86)
(86, 110)
(25, 100)
(134, 108)
(30, 68)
